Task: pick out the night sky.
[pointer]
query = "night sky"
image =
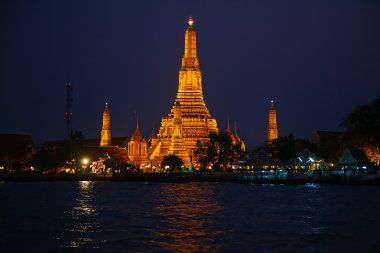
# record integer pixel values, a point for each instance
(317, 60)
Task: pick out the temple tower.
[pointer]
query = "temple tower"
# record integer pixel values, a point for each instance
(272, 124)
(196, 121)
(105, 137)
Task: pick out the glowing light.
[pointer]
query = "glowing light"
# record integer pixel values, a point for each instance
(190, 21)
(85, 161)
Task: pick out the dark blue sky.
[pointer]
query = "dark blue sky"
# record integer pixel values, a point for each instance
(316, 59)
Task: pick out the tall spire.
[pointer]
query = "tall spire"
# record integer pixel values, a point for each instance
(137, 121)
(189, 120)
(272, 124)
(238, 140)
(105, 137)
(153, 134)
(190, 58)
(228, 130)
(235, 133)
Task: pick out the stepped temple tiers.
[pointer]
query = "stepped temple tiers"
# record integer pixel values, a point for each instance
(189, 119)
(272, 124)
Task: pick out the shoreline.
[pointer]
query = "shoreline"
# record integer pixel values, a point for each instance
(187, 178)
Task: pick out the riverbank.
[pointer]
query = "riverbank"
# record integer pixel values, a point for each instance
(187, 178)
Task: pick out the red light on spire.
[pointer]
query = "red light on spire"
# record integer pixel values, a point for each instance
(190, 21)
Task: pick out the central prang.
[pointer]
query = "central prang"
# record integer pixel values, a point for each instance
(189, 120)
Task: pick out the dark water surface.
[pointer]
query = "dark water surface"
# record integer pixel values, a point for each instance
(192, 217)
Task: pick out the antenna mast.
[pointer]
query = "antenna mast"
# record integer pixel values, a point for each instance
(68, 112)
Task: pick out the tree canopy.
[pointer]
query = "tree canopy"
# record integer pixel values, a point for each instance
(363, 124)
(173, 161)
(287, 147)
(363, 129)
(219, 151)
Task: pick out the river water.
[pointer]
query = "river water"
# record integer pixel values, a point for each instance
(187, 217)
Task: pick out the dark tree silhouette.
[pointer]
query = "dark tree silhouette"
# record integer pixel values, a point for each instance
(287, 147)
(173, 161)
(363, 129)
(219, 151)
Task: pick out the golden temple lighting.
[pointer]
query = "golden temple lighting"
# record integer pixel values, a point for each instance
(189, 119)
(272, 124)
(105, 138)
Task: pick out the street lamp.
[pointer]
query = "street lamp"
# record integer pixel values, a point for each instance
(84, 163)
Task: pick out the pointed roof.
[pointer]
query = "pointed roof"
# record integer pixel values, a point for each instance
(355, 157)
(137, 134)
(153, 134)
(106, 109)
(236, 134)
(228, 130)
(272, 107)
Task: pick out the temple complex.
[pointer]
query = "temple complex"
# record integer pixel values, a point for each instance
(189, 119)
(105, 138)
(272, 124)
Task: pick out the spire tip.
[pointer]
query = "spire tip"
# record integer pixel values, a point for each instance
(190, 21)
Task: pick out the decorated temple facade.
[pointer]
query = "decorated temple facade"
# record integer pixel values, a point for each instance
(189, 119)
(137, 149)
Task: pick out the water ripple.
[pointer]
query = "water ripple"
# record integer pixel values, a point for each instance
(82, 221)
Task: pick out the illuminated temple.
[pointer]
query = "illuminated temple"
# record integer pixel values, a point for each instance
(189, 119)
(272, 124)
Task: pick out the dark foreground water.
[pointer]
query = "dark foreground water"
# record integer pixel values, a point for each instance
(192, 217)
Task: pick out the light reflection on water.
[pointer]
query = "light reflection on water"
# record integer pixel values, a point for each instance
(196, 217)
(187, 219)
(83, 216)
